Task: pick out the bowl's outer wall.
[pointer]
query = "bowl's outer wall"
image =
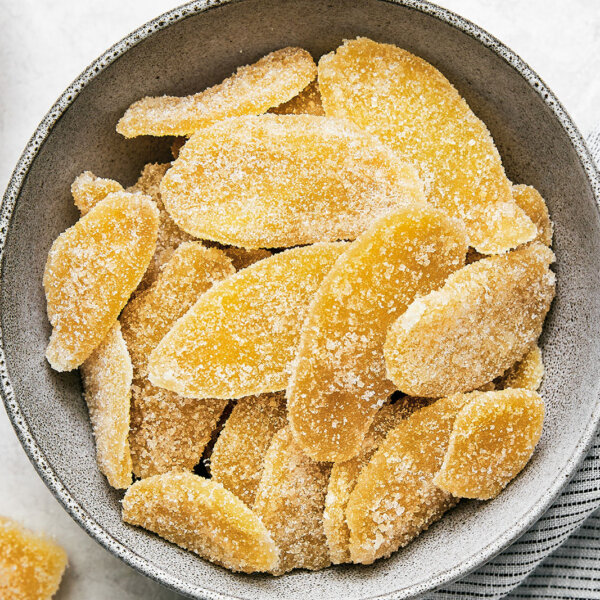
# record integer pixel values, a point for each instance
(199, 51)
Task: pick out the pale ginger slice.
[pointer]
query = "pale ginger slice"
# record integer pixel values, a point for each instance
(107, 375)
(526, 373)
(31, 566)
(416, 111)
(240, 338)
(251, 90)
(493, 438)
(394, 498)
(534, 206)
(238, 456)
(290, 501)
(344, 475)
(92, 270)
(282, 180)
(88, 190)
(307, 102)
(338, 382)
(202, 516)
(484, 319)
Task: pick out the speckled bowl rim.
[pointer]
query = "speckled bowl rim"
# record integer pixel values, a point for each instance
(17, 417)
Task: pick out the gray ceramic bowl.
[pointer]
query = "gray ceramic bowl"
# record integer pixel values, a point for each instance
(196, 46)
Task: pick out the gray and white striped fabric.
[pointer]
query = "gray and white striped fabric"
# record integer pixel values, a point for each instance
(559, 557)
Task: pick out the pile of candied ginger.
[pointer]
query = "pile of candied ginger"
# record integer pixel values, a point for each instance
(314, 331)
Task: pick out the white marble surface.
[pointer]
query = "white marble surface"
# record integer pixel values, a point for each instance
(45, 45)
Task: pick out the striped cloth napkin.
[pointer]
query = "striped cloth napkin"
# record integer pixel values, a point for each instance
(559, 557)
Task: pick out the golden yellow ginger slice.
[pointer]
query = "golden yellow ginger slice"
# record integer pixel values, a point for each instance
(92, 269)
(251, 90)
(534, 206)
(344, 475)
(394, 498)
(338, 382)
(107, 375)
(290, 501)
(527, 373)
(282, 180)
(31, 566)
(484, 319)
(202, 516)
(307, 102)
(240, 338)
(415, 110)
(238, 456)
(88, 190)
(493, 438)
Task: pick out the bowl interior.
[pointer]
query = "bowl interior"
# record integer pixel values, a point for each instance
(198, 51)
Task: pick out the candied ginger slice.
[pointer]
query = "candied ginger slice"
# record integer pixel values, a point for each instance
(484, 319)
(88, 190)
(394, 498)
(238, 456)
(251, 90)
(31, 566)
(526, 374)
(107, 375)
(338, 382)
(283, 180)
(202, 516)
(307, 102)
(344, 475)
(414, 109)
(493, 438)
(240, 338)
(91, 271)
(290, 501)
(534, 206)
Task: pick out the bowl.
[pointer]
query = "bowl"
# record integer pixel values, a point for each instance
(198, 45)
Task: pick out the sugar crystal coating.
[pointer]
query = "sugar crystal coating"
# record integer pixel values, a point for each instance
(415, 110)
(251, 90)
(241, 336)
(202, 516)
(238, 457)
(339, 381)
(344, 475)
(484, 319)
(526, 373)
(307, 102)
(534, 206)
(493, 438)
(107, 375)
(290, 501)
(282, 180)
(88, 190)
(31, 566)
(91, 271)
(394, 498)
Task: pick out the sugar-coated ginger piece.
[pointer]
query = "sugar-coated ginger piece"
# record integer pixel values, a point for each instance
(169, 235)
(290, 501)
(202, 516)
(493, 438)
(394, 498)
(526, 373)
(191, 271)
(344, 475)
(484, 319)
(415, 110)
(240, 338)
(251, 90)
(91, 271)
(276, 181)
(107, 375)
(338, 382)
(238, 456)
(307, 102)
(88, 190)
(31, 566)
(169, 432)
(534, 206)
